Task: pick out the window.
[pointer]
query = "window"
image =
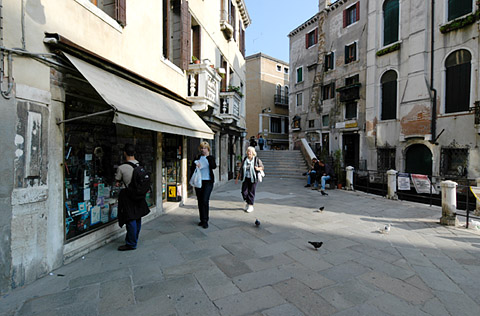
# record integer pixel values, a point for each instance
(390, 21)
(285, 70)
(177, 32)
(329, 61)
(286, 92)
(285, 121)
(350, 110)
(325, 120)
(114, 8)
(275, 125)
(386, 158)
(389, 95)
(311, 38)
(457, 8)
(453, 162)
(299, 99)
(352, 80)
(328, 91)
(457, 90)
(311, 123)
(350, 53)
(351, 14)
(279, 68)
(279, 89)
(299, 74)
(242, 38)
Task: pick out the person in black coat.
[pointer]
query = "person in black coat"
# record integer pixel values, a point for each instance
(206, 164)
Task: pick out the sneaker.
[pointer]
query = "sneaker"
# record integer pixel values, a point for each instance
(307, 185)
(125, 248)
(205, 225)
(249, 209)
(245, 207)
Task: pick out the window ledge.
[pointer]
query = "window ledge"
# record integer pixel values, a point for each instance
(460, 22)
(100, 14)
(388, 49)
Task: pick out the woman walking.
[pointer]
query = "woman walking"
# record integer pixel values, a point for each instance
(249, 169)
(206, 164)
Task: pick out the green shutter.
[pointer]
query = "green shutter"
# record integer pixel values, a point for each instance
(390, 22)
(457, 8)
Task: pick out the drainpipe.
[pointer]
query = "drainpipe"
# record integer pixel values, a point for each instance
(5, 94)
(433, 130)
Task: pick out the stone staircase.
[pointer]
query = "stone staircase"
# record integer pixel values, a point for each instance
(283, 163)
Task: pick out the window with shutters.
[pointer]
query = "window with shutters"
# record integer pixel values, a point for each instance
(114, 8)
(350, 53)
(275, 125)
(311, 123)
(350, 110)
(311, 38)
(458, 8)
(299, 74)
(299, 98)
(177, 28)
(329, 61)
(457, 90)
(242, 39)
(351, 14)
(390, 21)
(389, 95)
(328, 91)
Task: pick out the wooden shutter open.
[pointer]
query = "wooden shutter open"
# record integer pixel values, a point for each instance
(344, 18)
(185, 35)
(121, 12)
(357, 9)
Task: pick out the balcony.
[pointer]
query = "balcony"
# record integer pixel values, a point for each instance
(280, 100)
(230, 107)
(350, 92)
(204, 84)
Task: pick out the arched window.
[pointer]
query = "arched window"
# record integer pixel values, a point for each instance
(389, 95)
(390, 21)
(457, 89)
(279, 90)
(457, 8)
(286, 92)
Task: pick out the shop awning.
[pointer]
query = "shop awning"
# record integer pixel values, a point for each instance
(140, 107)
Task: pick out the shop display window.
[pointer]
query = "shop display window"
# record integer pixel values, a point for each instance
(172, 161)
(93, 151)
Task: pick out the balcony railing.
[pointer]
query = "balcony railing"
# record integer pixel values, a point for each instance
(203, 86)
(230, 106)
(281, 100)
(350, 92)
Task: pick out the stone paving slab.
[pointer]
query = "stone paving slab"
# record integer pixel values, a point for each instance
(236, 268)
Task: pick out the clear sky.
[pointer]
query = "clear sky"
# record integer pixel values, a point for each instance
(272, 20)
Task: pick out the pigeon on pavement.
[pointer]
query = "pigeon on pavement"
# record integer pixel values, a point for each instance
(257, 222)
(320, 209)
(385, 230)
(323, 192)
(316, 244)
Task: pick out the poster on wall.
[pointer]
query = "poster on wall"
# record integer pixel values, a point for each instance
(95, 215)
(422, 183)
(404, 181)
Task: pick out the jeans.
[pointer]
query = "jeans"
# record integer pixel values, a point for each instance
(324, 179)
(248, 191)
(312, 178)
(203, 199)
(133, 231)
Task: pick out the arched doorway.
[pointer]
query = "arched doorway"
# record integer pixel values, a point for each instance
(418, 160)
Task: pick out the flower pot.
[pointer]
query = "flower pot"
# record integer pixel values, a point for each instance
(196, 62)
(339, 185)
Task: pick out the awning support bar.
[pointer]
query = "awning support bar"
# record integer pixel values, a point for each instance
(84, 116)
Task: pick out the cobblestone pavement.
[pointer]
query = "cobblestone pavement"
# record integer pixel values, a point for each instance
(235, 268)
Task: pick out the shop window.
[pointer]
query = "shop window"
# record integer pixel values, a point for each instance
(114, 8)
(171, 167)
(390, 21)
(457, 95)
(328, 91)
(389, 95)
(311, 38)
(458, 8)
(350, 53)
(177, 32)
(325, 120)
(275, 125)
(351, 14)
(311, 123)
(299, 74)
(454, 162)
(93, 150)
(329, 61)
(350, 110)
(386, 159)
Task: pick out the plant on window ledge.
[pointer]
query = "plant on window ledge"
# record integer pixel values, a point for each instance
(388, 49)
(235, 89)
(460, 23)
(195, 60)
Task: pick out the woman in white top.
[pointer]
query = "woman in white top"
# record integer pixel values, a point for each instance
(249, 169)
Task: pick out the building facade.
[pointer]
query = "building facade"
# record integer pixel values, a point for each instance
(79, 80)
(267, 100)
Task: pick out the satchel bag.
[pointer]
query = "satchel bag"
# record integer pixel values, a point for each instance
(196, 179)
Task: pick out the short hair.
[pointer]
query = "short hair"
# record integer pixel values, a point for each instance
(129, 149)
(204, 145)
(252, 149)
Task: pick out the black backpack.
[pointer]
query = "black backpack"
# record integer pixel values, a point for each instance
(141, 182)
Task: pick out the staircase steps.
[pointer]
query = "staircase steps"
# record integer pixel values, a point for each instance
(283, 163)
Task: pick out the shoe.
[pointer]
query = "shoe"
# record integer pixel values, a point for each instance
(249, 209)
(304, 174)
(323, 192)
(125, 248)
(308, 185)
(205, 225)
(245, 207)
(200, 224)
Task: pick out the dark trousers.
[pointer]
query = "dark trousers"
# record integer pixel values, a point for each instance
(203, 199)
(261, 146)
(248, 191)
(133, 231)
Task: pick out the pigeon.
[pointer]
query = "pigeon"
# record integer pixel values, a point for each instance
(320, 209)
(257, 222)
(316, 244)
(323, 192)
(385, 230)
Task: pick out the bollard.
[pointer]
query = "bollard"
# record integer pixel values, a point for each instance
(350, 178)
(392, 184)
(449, 203)
(477, 208)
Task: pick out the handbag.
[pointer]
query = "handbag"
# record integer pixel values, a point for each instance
(196, 179)
(260, 175)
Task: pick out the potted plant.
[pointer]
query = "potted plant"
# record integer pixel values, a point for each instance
(195, 60)
(337, 166)
(235, 89)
